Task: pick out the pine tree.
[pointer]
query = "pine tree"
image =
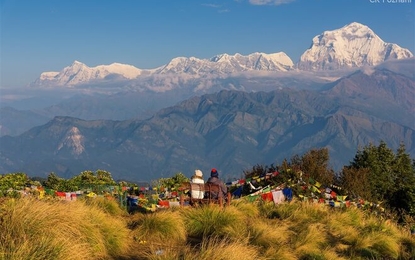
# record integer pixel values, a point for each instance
(391, 177)
(379, 160)
(403, 191)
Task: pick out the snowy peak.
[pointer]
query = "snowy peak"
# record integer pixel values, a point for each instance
(48, 75)
(353, 45)
(354, 30)
(190, 65)
(79, 73)
(256, 61)
(225, 64)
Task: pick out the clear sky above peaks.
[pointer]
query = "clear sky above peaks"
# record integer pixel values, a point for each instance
(48, 35)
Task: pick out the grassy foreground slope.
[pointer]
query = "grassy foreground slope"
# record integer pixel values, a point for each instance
(98, 229)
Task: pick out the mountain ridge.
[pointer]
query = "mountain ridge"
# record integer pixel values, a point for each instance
(352, 46)
(230, 130)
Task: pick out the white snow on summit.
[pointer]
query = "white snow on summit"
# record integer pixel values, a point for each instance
(225, 64)
(256, 61)
(353, 45)
(79, 73)
(48, 75)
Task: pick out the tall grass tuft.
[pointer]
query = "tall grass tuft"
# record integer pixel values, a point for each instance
(159, 235)
(160, 227)
(223, 249)
(159, 251)
(306, 213)
(385, 245)
(211, 220)
(407, 250)
(109, 206)
(310, 240)
(280, 253)
(281, 211)
(250, 210)
(34, 229)
(269, 234)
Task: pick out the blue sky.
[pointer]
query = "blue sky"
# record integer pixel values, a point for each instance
(48, 35)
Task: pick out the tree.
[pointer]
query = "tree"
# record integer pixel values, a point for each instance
(104, 177)
(86, 178)
(355, 181)
(315, 164)
(90, 178)
(14, 181)
(391, 177)
(402, 195)
(379, 161)
(172, 182)
(53, 181)
(59, 184)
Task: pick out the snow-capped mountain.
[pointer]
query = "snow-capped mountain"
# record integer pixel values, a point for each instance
(79, 73)
(225, 64)
(353, 45)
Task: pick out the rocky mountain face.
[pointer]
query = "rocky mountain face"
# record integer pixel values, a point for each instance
(229, 130)
(354, 45)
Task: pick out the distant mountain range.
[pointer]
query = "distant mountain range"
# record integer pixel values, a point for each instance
(229, 130)
(231, 111)
(352, 46)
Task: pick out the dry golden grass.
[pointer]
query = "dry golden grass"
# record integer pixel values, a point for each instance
(213, 221)
(407, 243)
(385, 245)
(109, 206)
(160, 227)
(310, 240)
(223, 249)
(155, 251)
(250, 210)
(269, 234)
(280, 253)
(304, 212)
(58, 230)
(35, 229)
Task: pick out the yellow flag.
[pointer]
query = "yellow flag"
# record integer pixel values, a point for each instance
(341, 198)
